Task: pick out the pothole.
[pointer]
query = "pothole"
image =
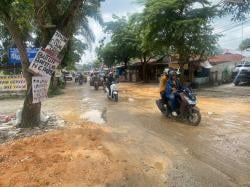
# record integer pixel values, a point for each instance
(94, 116)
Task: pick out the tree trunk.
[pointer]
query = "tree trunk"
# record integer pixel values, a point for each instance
(144, 72)
(30, 112)
(190, 72)
(182, 70)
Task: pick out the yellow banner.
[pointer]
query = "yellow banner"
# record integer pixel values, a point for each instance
(12, 83)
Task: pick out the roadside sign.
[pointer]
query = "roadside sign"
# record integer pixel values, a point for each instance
(14, 56)
(57, 43)
(40, 86)
(44, 64)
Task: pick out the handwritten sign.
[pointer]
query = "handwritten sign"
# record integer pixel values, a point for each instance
(40, 86)
(44, 64)
(57, 43)
(12, 83)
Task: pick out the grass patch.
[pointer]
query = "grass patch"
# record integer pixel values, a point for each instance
(55, 92)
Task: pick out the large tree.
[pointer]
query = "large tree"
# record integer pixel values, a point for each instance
(146, 50)
(182, 26)
(62, 15)
(127, 42)
(107, 54)
(123, 39)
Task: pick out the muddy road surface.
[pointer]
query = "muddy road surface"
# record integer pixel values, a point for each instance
(137, 146)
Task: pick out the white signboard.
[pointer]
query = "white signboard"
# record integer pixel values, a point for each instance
(40, 86)
(44, 64)
(57, 43)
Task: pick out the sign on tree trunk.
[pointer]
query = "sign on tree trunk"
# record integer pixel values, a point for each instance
(44, 64)
(57, 43)
(40, 86)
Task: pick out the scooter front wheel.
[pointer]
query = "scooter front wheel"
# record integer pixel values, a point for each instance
(195, 118)
(116, 98)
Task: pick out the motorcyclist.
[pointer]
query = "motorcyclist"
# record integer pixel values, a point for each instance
(173, 85)
(80, 76)
(163, 82)
(110, 80)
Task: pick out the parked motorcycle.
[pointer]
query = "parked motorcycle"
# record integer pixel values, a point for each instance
(114, 92)
(190, 112)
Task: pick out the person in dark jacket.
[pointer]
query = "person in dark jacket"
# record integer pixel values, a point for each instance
(110, 81)
(173, 85)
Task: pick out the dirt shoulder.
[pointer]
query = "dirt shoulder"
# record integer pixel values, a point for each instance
(75, 156)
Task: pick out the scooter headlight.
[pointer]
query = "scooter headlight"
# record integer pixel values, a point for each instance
(190, 102)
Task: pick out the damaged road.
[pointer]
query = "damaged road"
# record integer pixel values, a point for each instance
(130, 143)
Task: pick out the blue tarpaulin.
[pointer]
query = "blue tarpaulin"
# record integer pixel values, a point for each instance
(14, 57)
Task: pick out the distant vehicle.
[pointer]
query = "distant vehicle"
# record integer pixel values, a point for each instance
(241, 73)
(95, 80)
(113, 92)
(77, 75)
(68, 76)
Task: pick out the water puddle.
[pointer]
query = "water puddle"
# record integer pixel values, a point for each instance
(94, 116)
(131, 100)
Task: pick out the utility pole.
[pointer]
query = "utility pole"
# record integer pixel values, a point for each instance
(242, 23)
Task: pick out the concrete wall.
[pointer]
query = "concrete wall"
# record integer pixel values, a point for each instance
(201, 80)
(222, 72)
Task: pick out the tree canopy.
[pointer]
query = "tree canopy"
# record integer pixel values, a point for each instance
(245, 44)
(240, 9)
(166, 27)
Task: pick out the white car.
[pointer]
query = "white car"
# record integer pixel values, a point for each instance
(68, 77)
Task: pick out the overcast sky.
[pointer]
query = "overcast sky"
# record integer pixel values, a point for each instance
(230, 40)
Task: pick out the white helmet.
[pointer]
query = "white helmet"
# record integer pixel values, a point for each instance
(166, 70)
(178, 72)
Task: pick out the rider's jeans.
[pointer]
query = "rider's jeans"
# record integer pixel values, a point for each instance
(173, 101)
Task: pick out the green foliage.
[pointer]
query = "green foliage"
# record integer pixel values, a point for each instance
(49, 14)
(74, 52)
(55, 92)
(97, 64)
(107, 54)
(240, 9)
(180, 27)
(124, 43)
(245, 44)
(21, 11)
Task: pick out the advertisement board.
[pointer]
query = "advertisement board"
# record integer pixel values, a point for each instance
(12, 83)
(14, 56)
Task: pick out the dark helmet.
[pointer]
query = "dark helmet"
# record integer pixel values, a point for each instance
(171, 74)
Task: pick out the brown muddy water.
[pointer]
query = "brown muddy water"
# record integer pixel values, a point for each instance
(159, 151)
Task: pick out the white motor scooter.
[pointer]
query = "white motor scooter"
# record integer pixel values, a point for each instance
(114, 92)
